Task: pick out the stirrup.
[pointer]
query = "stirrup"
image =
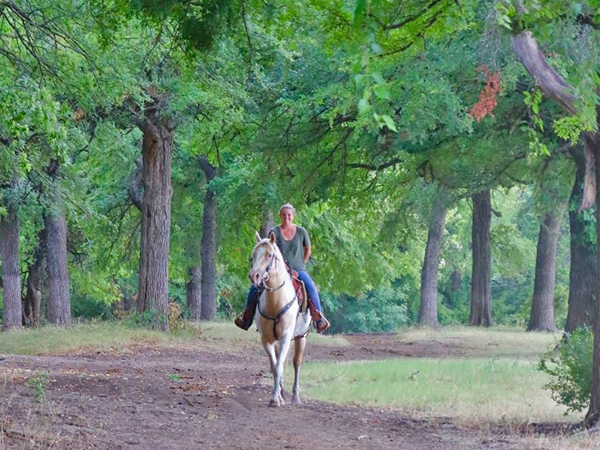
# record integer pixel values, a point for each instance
(243, 324)
(322, 325)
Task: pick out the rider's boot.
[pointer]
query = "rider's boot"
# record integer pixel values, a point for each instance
(318, 318)
(245, 320)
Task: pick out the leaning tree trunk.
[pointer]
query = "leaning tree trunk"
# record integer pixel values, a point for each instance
(193, 293)
(481, 279)
(59, 296)
(582, 277)
(209, 244)
(534, 61)
(428, 308)
(9, 252)
(153, 282)
(542, 305)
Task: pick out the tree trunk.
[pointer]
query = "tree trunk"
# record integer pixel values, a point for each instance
(193, 293)
(268, 223)
(209, 244)
(59, 296)
(455, 280)
(9, 252)
(551, 83)
(428, 308)
(592, 418)
(582, 277)
(481, 279)
(33, 298)
(542, 305)
(157, 147)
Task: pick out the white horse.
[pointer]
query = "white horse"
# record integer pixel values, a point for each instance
(279, 318)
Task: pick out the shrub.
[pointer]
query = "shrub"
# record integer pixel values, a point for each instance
(570, 368)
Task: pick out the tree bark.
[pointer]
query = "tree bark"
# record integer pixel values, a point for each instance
(209, 244)
(550, 81)
(592, 418)
(481, 279)
(428, 308)
(9, 252)
(153, 282)
(193, 293)
(268, 223)
(582, 276)
(33, 298)
(542, 305)
(59, 296)
(553, 85)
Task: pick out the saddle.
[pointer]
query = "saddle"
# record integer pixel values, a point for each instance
(300, 291)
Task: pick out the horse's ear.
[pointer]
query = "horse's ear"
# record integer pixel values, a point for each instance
(257, 236)
(272, 237)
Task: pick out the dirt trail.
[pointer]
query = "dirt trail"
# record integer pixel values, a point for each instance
(157, 398)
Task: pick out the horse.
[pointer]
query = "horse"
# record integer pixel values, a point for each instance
(279, 315)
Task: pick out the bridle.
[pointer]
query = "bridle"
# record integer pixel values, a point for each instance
(262, 283)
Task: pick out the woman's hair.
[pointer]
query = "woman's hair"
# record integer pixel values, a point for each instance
(287, 206)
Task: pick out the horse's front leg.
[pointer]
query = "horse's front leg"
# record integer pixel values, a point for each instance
(298, 352)
(272, 354)
(284, 347)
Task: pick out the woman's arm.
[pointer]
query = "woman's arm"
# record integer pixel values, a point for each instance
(306, 254)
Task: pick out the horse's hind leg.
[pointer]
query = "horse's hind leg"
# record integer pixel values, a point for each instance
(298, 352)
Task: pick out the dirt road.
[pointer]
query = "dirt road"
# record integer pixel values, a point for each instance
(196, 398)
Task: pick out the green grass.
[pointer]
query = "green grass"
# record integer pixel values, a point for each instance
(229, 332)
(497, 390)
(104, 336)
(495, 342)
(491, 378)
(50, 340)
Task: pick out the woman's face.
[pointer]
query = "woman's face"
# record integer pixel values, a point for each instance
(287, 216)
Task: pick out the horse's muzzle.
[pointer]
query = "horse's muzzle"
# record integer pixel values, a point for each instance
(254, 277)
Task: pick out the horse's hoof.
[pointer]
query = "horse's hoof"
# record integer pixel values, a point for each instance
(296, 400)
(274, 404)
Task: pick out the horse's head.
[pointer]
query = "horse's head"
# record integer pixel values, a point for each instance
(265, 256)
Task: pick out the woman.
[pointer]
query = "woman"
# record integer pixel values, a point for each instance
(294, 243)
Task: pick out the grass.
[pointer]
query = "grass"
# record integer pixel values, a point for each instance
(229, 332)
(491, 378)
(495, 342)
(51, 340)
(107, 336)
(492, 390)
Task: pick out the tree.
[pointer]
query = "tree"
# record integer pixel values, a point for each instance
(157, 147)
(481, 287)
(209, 242)
(569, 98)
(582, 272)
(9, 254)
(429, 274)
(542, 305)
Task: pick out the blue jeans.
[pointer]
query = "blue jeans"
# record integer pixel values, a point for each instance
(311, 290)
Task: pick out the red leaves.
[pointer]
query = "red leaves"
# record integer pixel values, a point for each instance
(488, 97)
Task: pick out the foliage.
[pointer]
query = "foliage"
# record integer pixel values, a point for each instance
(569, 365)
(382, 310)
(38, 385)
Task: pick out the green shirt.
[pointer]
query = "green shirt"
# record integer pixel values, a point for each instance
(293, 250)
